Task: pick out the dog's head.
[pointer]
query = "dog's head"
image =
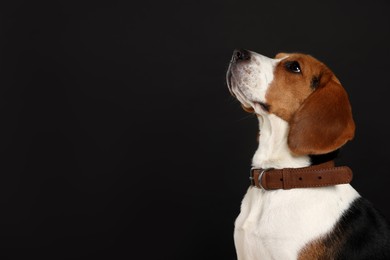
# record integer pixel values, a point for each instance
(299, 89)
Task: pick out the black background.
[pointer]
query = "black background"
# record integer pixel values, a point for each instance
(119, 138)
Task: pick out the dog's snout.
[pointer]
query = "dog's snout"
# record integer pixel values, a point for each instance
(241, 54)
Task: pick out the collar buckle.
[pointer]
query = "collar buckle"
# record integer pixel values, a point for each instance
(259, 178)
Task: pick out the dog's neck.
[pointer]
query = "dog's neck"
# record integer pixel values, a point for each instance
(273, 151)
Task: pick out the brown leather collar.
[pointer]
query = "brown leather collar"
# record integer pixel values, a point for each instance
(325, 174)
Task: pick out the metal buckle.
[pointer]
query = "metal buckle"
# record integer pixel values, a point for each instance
(259, 178)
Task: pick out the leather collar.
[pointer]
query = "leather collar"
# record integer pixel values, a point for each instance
(325, 174)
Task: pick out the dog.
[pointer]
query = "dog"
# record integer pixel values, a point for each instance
(299, 204)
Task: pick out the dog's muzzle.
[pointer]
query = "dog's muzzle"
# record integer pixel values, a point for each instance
(240, 55)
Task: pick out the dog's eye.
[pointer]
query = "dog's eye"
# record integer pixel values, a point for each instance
(293, 66)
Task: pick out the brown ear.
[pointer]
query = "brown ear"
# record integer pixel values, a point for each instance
(323, 123)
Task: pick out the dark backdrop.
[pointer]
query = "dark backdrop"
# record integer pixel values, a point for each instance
(119, 136)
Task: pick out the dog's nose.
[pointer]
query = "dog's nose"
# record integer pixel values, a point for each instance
(241, 54)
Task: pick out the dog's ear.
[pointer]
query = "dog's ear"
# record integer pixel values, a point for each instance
(323, 123)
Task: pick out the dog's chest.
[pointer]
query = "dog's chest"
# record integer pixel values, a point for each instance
(278, 224)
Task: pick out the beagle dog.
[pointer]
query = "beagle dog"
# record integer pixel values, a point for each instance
(300, 206)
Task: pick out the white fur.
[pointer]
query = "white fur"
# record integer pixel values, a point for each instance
(278, 224)
(273, 151)
(250, 79)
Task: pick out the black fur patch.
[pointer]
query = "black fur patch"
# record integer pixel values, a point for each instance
(315, 82)
(363, 232)
(321, 158)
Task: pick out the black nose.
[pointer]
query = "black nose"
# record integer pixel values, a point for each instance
(241, 54)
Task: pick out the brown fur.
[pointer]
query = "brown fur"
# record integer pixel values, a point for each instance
(288, 90)
(323, 123)
(324, 248)
(320, 118)
(314, 250)
(317, 250)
